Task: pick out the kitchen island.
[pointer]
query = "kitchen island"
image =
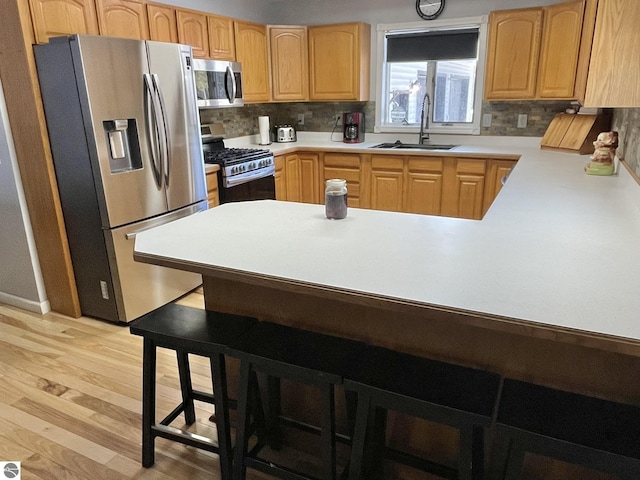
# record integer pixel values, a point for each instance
(543, 289)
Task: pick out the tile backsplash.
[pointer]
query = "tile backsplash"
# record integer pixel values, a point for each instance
(321, 116)
(626, 121)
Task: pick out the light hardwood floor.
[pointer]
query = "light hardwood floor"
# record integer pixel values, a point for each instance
(70, 401)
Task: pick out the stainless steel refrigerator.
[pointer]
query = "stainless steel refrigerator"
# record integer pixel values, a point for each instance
(124, 130)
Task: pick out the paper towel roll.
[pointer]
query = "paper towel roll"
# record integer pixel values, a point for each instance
(263, 126)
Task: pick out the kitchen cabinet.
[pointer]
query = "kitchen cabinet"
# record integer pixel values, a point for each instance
(423, 191)
(192, 30)
(302, 179)
(497, 171)
(339, 58)
(213, 193)
(386, 183)
(252, 51)
(574, 133)
(349, 167)
(162, 22)
(463, 188)
(614, 70)
(222, 44)
(289, 63)
(52, 18)
(123, 18)
(540, 52)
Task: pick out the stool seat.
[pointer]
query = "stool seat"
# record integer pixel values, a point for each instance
(580, 429)
(453, 395)
(188, 330)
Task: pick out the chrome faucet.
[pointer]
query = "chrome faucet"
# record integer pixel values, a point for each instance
(424, 134)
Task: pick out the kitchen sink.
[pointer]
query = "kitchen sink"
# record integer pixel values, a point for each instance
(415, 146)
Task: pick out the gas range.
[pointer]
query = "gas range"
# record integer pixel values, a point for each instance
(237, 165)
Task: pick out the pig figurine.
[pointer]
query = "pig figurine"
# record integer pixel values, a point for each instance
(602, 160)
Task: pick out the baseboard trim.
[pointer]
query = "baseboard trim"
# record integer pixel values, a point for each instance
(25, 304)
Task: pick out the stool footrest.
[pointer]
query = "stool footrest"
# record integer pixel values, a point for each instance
(308, 428)
(274, 469)
(186, 438)
(420, 463)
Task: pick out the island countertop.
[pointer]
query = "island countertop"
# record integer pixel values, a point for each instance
(557, 251)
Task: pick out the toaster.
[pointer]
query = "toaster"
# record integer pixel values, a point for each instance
(283, 134)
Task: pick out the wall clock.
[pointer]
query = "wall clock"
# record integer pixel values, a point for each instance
(429, 9)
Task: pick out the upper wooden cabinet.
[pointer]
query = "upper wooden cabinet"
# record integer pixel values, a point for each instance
(52, 18)
(162, 22)
(123, 18)
(339, 58)
(513, 52)
(222, 44)
(252, 51)
(192, 30)
(540, 52)
(289, 63)
(614, 70)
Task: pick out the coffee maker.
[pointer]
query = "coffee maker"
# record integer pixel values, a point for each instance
(353, 127)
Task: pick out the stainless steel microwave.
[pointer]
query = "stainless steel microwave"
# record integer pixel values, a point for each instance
(218, 83)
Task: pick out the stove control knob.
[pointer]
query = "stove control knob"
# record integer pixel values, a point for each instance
(233, 169)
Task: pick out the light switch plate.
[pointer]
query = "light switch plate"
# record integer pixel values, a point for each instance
(486, 120)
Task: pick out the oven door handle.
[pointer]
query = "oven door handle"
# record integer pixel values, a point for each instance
(236, 180)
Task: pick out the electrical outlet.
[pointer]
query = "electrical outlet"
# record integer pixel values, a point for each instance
(522, 120)
(338, 117)
(486, 120)
(301, 119)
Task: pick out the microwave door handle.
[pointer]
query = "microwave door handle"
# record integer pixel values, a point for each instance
(166, 145)
(230, 81)
(150, 121)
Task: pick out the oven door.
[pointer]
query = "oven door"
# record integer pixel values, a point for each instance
(259, 189)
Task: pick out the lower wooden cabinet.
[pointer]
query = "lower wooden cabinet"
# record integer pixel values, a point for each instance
(497, 173)
(213, 194)
(349, 167)
(463, 194)
(297, 177)
(423, 191)
(387, 183)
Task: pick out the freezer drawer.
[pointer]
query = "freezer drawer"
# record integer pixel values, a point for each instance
(142, 287)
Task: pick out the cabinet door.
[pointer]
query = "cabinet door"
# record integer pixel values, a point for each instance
(347, 166)
(280, 178)
(222, 45)
(162, 23)
(123, 18)
(560, 49)
(192, 30)
(339, 57)
(252, 51)
(424, 185)
(497, 172)
(464, 187)
(615, 65)
(512, 55)
(309, 181)
(53, 18)
(386, 183)
(292, 167)
(289, 63)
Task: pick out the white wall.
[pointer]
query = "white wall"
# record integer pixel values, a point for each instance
(21, 282)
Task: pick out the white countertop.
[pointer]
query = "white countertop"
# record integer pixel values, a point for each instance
(557, 248)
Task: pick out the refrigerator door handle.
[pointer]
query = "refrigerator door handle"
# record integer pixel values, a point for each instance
(230, 85)
(151, 125)
(166, 145)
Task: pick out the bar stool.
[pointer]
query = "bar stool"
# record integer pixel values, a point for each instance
(595, 433)
(189, 331)
(302, 356)
(440, 392)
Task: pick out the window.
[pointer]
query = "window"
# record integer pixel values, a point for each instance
(431, 74)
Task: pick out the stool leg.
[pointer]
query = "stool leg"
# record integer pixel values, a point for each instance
(257, 410)
(273, 413)
(328, 431)
(515, 462)
(359, 435)
(499, 455)
(185, 385)
(471, 457)
(221, 400)
(148, 401)
(240, 449)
